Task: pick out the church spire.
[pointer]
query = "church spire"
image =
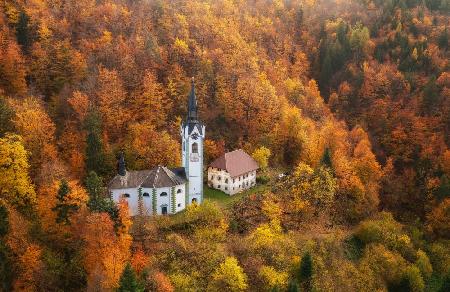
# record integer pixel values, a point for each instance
(121, 167)
(192, 104)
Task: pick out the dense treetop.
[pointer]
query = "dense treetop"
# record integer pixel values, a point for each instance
(350, 98)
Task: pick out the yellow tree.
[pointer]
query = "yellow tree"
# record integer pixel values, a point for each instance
(148, 147)
(37, 129)
(261, 155)
(151, 103)
(111, 100)
(229, 276)
(15, 184)
(12, 64)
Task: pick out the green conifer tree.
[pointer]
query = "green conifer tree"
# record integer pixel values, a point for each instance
(96, 157)
(6, 115)
(128, 281)
(326, 158)
(62, 208)
(306, 270)
(292, 287)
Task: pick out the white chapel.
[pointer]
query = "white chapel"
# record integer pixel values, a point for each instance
(161, 190)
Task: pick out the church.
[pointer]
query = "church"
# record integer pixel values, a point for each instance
(163, 190)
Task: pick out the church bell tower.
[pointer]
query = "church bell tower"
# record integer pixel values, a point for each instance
(192, 136)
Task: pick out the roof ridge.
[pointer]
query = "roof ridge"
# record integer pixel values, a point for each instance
(156, 175)
(145, 177)
(170, 176)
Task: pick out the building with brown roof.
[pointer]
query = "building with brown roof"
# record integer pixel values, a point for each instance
(233, 172)
(161, 190)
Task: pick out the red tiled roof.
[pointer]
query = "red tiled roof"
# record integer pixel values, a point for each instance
(236, 163)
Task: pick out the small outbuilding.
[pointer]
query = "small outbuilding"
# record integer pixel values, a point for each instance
(232, 172)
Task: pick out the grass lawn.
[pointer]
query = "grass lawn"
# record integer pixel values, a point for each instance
(224, 200)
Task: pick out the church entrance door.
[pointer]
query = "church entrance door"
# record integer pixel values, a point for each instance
(164, 210)
(194, 200)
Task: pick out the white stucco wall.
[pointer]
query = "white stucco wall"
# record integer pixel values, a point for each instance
(234, 185)
(133, 200)
(193, 163)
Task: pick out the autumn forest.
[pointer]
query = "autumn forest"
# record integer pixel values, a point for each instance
(345, 104)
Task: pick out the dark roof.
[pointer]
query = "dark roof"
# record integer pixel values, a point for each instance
(180, 172)
(157, 177)
(192, 104)
(160, 177)
(192, 125)
(236, 163)
(132, 179)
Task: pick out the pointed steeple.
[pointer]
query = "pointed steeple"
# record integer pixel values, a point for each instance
(192, 104)
(121, 166)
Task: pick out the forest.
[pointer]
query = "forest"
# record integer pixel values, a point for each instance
(349, 98)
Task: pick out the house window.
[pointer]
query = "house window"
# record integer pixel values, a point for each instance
(126, 195)
(194, 147)
(212, 177)
(179, 191)
(146, 195)
(163, 194)
(219, 178)
(226, 181)
(218, 186)
(226, 188)
(233, 180)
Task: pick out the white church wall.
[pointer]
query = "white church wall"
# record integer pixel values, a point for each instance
(147, 201)
(133, 200)
(180, 198)
(162, 201)
(194, 163)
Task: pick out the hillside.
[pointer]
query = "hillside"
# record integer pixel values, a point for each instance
(351, 97)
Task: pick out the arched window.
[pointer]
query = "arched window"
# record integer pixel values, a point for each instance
(194, 147)
(179, 191)
(163, 194)
(146, 195)
(126, 195)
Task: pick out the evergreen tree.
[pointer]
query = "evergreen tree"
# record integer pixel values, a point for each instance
(445, 284)
(4, 222)
(430, 96)
(62, 208)
(96, 158)
(128, 281)
(5, 262)
(306, 270)
(292, 287)
(98, 202)
(6, 115)
(443, 40)
(94, 186)
(23, 31)
(326, 158)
